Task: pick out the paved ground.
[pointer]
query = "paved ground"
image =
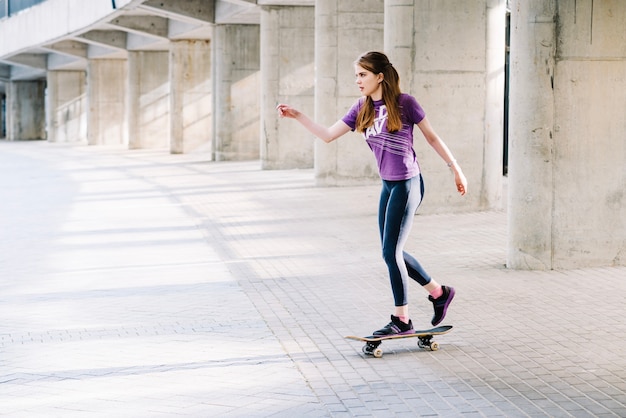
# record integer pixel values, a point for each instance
(141, 284)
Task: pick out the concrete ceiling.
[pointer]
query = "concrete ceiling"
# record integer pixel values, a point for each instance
(141, 26)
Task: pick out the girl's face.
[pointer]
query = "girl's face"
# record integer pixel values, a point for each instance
(369, 83)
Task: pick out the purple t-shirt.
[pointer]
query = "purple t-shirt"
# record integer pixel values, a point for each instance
(393, 150)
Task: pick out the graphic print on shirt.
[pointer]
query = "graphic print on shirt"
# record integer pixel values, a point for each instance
(378, 137)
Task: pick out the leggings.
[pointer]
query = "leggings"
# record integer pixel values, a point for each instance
(399, 201)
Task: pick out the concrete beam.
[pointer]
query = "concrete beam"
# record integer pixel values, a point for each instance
(5, 72)
(66, 55)
(178, 30)
(20, 73)
(38, 61)
(136, 42)
(109, 44)
(154, 26)
(69, 48)
(101, 52)
(285, 2)
(65, 62)
(237, 12)
(244, 3)
(112, 39)
(189, 11)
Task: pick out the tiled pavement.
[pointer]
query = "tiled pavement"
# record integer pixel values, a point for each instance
(142, 284)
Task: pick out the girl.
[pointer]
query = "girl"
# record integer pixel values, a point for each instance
(386, 117)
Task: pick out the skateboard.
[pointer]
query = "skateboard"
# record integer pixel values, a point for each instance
(424, 336)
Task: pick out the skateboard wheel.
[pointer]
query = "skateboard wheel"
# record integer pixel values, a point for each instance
(378, 353)
(434, 346)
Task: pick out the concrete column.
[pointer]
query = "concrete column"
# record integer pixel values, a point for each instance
(236, 78)
(190, 96)
(450, 56)
(491, 180)
(26, 115)
(288, 75)
(106, 93)
(568, 135)
(3, 116)
(148, 92)
(343, 30)
(67, 106)
(531, 134)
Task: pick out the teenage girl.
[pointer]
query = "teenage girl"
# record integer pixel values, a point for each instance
(386, 117)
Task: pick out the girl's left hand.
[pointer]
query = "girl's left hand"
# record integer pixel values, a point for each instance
(461, 182)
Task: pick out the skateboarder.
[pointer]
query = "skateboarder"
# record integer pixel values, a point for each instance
(386, 117)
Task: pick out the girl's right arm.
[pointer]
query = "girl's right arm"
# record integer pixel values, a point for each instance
(326, 134)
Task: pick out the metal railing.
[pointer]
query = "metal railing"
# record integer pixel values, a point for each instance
(10, 7)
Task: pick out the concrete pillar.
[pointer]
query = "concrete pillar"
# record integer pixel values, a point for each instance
(3, 116)
(531, 134)
(190, 96)
(450, 56)
(67, 106)
(106, 93)
(237, 92)
(491, 179)
(568, 135)
(26, 115)
(287, 69)
(148, 99)
(343, 30)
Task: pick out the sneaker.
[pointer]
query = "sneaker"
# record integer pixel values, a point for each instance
(395, 327)
(441, 304)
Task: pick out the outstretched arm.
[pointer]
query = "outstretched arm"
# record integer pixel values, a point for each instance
(444, 152)
(326, 134)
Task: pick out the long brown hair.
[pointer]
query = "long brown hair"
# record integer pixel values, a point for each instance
(378, 63)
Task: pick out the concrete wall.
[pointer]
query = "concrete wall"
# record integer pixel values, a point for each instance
(236, 92)
(288, 76)
(450, 56)
(590, 135)
(26, 99)
(190, 96)
(343, 30)
(67, 106)
(568, 135)
(106, 89)
(148, 92)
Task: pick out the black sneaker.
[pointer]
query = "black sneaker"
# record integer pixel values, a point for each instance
(441, 304)
(395, 327)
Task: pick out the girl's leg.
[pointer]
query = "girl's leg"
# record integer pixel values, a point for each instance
(414, 268)
(417, 273)
(440, 296)
(398, 203)
(392, 196)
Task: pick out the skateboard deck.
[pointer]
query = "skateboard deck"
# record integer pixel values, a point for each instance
(424, 336)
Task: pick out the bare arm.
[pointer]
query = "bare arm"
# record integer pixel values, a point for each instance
(326, 134)
(444, 152)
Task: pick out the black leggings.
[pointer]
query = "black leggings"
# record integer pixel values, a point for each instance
(399, 201)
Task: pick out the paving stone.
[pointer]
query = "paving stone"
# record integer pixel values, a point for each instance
(138, 283)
